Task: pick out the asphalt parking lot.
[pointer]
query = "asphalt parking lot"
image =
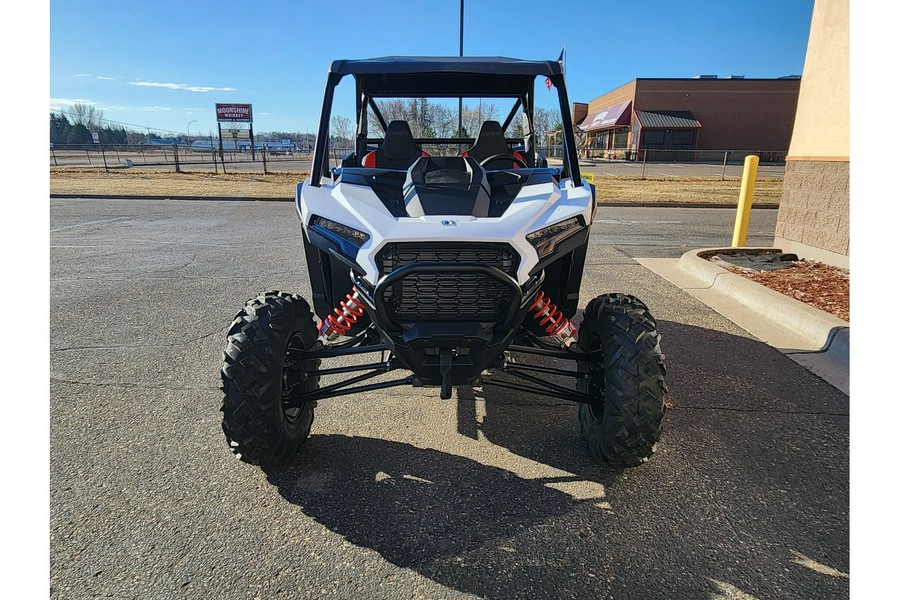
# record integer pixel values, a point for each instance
(397, 493)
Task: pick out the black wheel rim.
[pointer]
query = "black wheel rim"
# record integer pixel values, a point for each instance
(596, 382)
(292, 377)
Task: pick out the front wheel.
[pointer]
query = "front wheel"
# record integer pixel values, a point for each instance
(622, 426)
(263, 376)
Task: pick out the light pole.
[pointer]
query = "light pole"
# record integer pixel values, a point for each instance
(459, 124)
(189, 129)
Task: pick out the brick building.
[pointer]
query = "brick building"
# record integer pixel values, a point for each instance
(700, 113)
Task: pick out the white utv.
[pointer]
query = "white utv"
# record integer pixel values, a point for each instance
(454, 260)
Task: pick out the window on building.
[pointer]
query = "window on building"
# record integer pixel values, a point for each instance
(683, 137)
(654, 137)
(621, 139)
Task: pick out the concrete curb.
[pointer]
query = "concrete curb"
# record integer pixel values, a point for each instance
(829, 333)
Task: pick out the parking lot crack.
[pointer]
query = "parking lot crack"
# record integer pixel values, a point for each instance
(765, 410)
(169, 278)
(220, 331)
(130, 384)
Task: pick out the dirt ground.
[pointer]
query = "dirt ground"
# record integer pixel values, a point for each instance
(688, 190)
(79, 180)
(160, 183)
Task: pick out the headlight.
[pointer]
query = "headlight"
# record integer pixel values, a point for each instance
(545, 240)
(338, 232)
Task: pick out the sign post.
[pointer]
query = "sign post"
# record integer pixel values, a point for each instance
(234, 113)
(221, 149)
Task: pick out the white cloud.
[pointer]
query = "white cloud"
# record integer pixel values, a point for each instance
(82, 74)
(182, 86)
(61, 103)
(155, 108)
(105, 78)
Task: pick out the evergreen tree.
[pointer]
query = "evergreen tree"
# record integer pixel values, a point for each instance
(59, 128)
(78, 134)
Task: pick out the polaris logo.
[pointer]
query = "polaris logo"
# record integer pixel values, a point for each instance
(448, 223)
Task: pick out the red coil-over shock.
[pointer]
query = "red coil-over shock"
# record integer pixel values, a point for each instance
(338, 324)
(552, 320)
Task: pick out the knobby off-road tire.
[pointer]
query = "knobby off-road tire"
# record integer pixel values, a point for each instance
(258, 426)
(623, 426)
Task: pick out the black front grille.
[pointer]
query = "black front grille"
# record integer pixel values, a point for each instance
(448, 296)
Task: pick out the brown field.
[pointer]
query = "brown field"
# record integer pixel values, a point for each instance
(687, 190)
(87, 181)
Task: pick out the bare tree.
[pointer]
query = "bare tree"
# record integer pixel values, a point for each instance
(474, 116)
(342, 129)
(417, 112)
(392, 110)
(517, 126)
(86, 114)
(443, 120)
(545, 121)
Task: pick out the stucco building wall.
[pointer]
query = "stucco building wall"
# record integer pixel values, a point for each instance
(814, 215)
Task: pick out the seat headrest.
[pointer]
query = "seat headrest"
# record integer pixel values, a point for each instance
(490, 141)
(490, 129)
(398, 141)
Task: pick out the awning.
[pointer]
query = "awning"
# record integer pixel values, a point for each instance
(617, 115)
(668, 119)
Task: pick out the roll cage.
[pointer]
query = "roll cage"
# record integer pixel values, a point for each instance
(444, 77)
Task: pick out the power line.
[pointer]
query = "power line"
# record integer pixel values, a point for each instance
(105, 120)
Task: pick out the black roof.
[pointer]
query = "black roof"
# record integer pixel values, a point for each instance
(446, 76)
(499, 65)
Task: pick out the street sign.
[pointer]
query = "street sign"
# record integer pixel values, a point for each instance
(96, 137)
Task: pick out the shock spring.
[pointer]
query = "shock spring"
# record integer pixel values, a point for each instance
(552, 319)
(343, 319)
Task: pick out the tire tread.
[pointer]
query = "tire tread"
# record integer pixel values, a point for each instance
(630, 381)
(253, 417)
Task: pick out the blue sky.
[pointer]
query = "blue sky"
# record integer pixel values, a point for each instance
(163, 64)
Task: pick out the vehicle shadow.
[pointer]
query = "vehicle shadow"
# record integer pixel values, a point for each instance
(707, 370)
(466, 525)
(723, 510)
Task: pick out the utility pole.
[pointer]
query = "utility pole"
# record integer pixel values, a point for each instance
(459, 125)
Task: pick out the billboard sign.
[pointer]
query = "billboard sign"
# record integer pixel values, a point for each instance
(238, 134)
(234, 113)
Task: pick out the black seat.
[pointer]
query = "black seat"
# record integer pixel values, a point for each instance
(490, 141)
(398, 151)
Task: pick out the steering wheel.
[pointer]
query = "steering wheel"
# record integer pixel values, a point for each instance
(511, 157)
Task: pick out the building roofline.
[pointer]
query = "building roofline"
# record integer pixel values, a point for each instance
(784, 78)
(706, 80)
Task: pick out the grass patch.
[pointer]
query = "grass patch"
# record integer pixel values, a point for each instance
(281, 184)
(132, 182)
(687, 190)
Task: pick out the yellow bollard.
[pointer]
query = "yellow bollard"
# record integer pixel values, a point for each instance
(748, 182)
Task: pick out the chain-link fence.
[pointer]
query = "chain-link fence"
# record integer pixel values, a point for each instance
(642, 164)
(668, 163)
(176, 157)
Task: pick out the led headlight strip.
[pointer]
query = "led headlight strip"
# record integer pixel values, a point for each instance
(545, 240)
(327, 226)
